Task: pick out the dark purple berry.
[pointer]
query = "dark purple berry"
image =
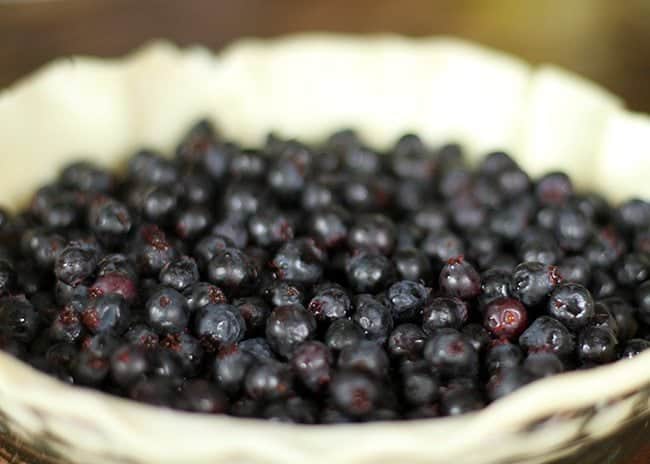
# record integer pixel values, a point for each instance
(289, 326)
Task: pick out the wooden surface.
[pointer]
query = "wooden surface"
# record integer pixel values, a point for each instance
(607, 41)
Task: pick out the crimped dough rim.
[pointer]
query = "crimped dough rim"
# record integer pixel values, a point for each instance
(107, 108)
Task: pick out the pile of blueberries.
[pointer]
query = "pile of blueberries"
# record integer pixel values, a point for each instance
(321, 284)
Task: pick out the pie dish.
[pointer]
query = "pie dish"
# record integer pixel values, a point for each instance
(309, 86)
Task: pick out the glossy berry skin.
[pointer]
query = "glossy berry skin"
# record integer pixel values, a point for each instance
(458, 278)
(190, 223)
(270, 228)
(633, 269)
(573, 229)
(342, 333)
(179, 274)
(287, 327)
(442, 245)
(217, 325)
(507, 381)
(167, 311)
(233, 271)
(495, 284)
(533, 282)
(412, 264)
(625, 316)
(420, 388)
(299, 262)
(546, 334)
(255, 311)
(597, 345)
(573, 305)
(142, 335)
(554, 189)
(506, 318)
(110, 220)
(643, 301)
(328, 227)
(372, 233)
(128, 365)
(331, 302)
(406, 298)
(281, 293)
(575, 269)
(365, 356)
(634, 347)
(502, 355)
(369, 273)
(188, 349)
(406, 341)
(355, 394)
(461, 400)
(268, 381)
(477, 336)
(311, 361)
(75, 264)
(443, 312)
(66, 326)
(231, 365)
(114, 284)
(201, 396)
(108, 313)
(152, 250)
(373, 318)
(452, 355)
(208, 247)
(257, 347)
(18, 319)
(543, 364)
(156, 392)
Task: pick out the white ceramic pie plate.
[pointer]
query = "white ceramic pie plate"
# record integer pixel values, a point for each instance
(308, 86)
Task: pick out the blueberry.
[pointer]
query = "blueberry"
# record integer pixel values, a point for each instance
(110, 220)
(128, 365)
(643, 301)
(506, 318)
(281, 293)
(191, 223)
(108, 313)
(330, 302)
(209, 246)
(269, 381)
(502, 356)
(217, 325)
(458, 278)
(18, 319)
(547, 334)
(270, 228)
(167, 311)
(366, 356)
(462, 400)
(543, 364)
(312, 363)
(75, 264)
(188, 349)
(66, 326)
(257, 347)
(369, 272)
(255, 311)
(420, 388)
(533, 282)
(87, 177)
(114, 284)
(230, 368)
(287, 327)
(179, 274)
(442, 245)
(406, 298)
(450, 354)
(373, 318)
(201, 396)
(572, 304)
(8, 278)
(233, 271)
(356, 394)
(412, 264)
(153, 250)
(342, 333)
(633, 269)
(142, 335)
(507, 381)
(443, 312)
(575, 269)
(554, 189)
(300, 262)
(328, 226)
(156, 392)
(292, 410)
(406, 341)
(495, 284)
(634, 347)
(625, 316)
(372, 233)
(202, 294)
(597, 345)
(477, 336)
(150, 168)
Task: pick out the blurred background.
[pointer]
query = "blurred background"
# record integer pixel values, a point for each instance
(606, 40)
